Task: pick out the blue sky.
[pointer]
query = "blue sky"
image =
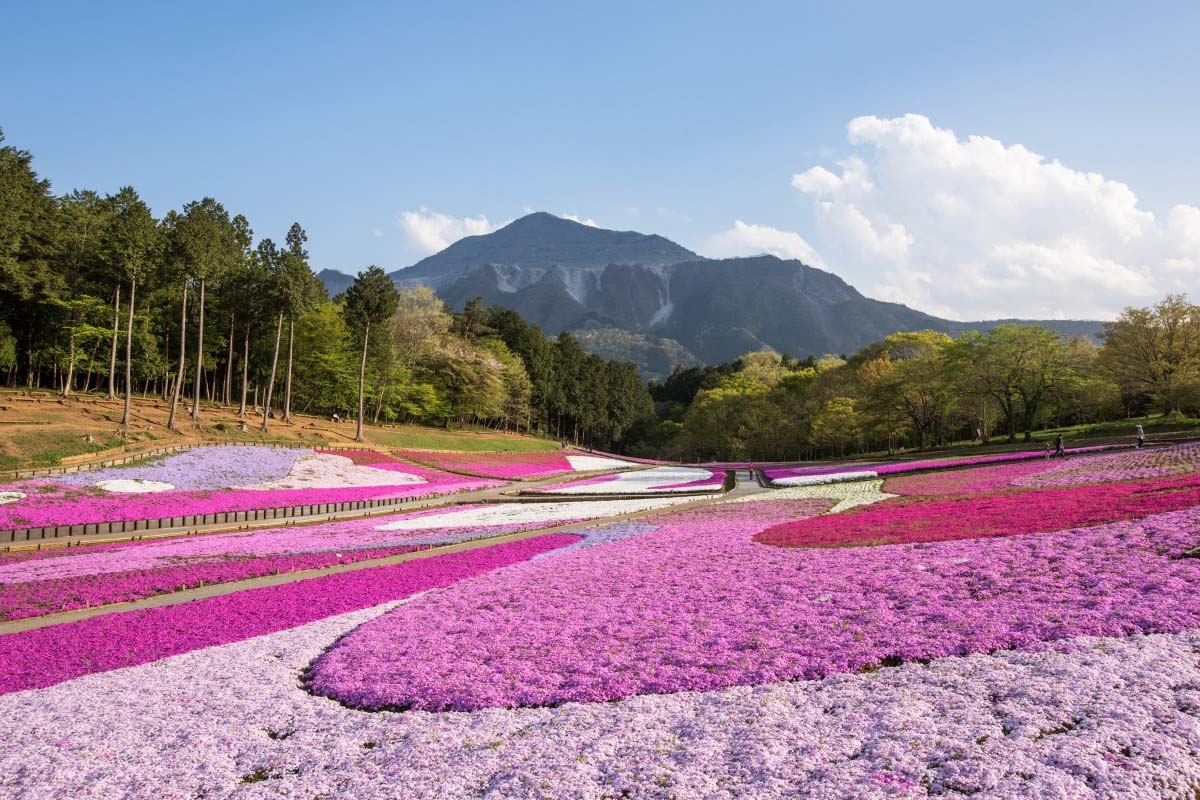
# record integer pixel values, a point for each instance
(675, 118)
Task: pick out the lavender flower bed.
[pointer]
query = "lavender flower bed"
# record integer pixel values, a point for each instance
(696, 605)
(1156, 462)
(220, 467)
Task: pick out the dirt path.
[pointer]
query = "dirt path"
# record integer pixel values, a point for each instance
(745, 486)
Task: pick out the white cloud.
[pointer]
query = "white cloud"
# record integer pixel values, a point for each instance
(973, 228)
(753, 240)
(591, 223)
(430, 231)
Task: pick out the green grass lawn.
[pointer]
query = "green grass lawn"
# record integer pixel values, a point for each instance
(466, 440)
(48, 448)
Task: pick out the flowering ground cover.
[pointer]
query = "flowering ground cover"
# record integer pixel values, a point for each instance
(1150, 462)
(46, 656)
(514, 466)
(1005, 513)
(842, 496)
(643, 481)
(286, 478)
(696, 605)
(33, 583)
(1087, 718)
(819, 474)
(963, 482)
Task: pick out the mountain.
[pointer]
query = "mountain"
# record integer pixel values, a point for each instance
(335, 282)
(539, 242)
(645, 298)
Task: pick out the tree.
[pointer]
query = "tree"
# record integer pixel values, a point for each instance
(269, 261)
(913, 382)
(369, 301)
(208, 244)
(83, 218)
(1156, 352)
(837, 424)
(299, 289)
(131, 242)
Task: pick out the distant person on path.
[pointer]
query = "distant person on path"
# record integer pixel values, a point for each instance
(1141, 437)
(1059, 450)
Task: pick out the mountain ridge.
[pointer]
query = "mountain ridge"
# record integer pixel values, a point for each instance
(668, 301)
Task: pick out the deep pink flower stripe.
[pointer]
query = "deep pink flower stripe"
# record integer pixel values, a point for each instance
(46, 656)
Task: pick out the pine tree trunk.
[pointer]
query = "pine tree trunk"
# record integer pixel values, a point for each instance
(112, 361)
(129, 355)
(362, 382)
(287, 386)
(274, 364)
(182, 355)
(199, 359)
(70, 378)
(227, 399)
(245, 371)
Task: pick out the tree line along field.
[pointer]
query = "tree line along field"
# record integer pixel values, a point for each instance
(194, 308)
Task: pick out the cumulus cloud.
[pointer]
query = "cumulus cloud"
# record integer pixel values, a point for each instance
(430, 231)
(753, 240)
(591, 223)
(973, 228)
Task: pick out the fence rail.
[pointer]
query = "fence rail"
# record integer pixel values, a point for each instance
(247, 517)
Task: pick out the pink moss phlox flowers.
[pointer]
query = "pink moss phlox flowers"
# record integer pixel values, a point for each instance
(50, 655)
(986, 515)
(1150, 462)
(696, 606)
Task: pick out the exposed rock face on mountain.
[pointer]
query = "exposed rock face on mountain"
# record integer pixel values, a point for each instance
(671, 303)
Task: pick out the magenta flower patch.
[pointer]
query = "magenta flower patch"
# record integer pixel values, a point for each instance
(696, 605)
(46, 656)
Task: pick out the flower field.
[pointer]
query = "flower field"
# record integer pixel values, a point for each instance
(1011, 629)
(515, 466)
(815, 475)
(46, 581)
(209, 480)
(655, 480)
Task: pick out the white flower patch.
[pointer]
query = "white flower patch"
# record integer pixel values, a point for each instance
(135, 486)
(11, 497)
(845, 495)
(524, 513)
(328, 471)
(658, 479)
(821, 480)
(590, 463)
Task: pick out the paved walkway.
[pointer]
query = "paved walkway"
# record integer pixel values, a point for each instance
(746, 485)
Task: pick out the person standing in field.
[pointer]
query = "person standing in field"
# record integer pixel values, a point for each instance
(1141, 437)
(1060, 450)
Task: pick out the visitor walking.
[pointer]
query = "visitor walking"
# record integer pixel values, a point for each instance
(1059, 450)
(1141, 437)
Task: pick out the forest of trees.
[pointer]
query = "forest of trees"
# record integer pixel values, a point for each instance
(96, 294)
(923, 389)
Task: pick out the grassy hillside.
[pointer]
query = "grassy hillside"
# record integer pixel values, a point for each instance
(38, 429)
